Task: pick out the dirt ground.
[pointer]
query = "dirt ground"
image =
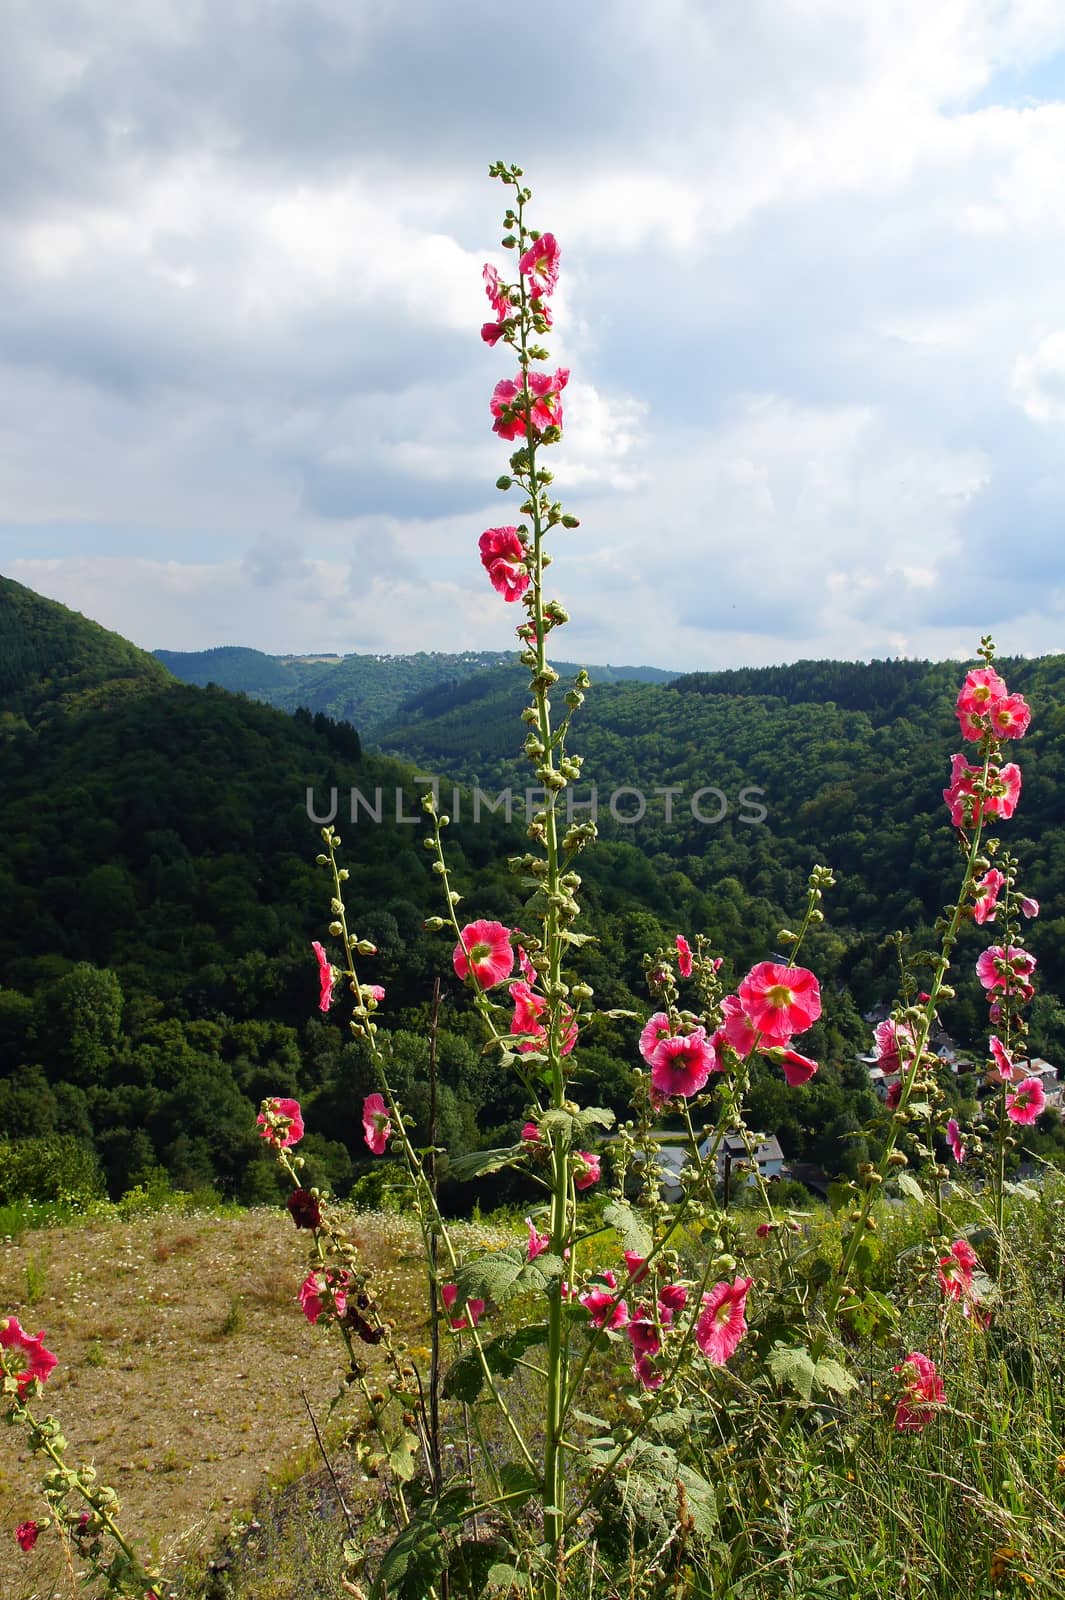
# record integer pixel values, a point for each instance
(182, 1360)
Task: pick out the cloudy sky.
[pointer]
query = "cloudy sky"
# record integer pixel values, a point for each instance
(813, 302)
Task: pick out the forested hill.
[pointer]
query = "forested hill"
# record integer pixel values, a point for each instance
(53, 660)
(365, 690)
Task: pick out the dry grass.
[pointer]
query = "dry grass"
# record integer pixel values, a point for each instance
(182, 1354)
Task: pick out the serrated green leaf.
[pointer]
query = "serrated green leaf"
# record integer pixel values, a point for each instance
(557, 1122)
(493, 1276)
(506, 1577)
(465, 1377)
(840, 1196)
(401, 1458)
(909, 1186)
(829, 1374)
(635, 1234)
(596, 1117)
(793, 1365)
(412, 1563)
(477, 1163)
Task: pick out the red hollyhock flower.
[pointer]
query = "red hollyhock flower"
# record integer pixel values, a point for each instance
(545, 404)
(922, 1392)
(779, 1001)
(681, 1065)
(737, 1027)
(26, 1533)
(496, 291)
(376, 1123)
(957, 1149)
(684, 956)
(304, 1209)
(722, 1323)
(643, 1334)
(529, 1007)
(486, 952)
(538, 1242)
(672, 1298)
(956, 1270)
(314, 1293)
(474, 1308)
(325, 977)
(1026, 1102)
(894, 1042)
(502, 556)
(604, 1309)
(588, 1172)
(37, 1361)
(999, 968)
(1002, 1059)
(646, 1373)
(280, 1122)
(796, 1068)
(492, 332)
(984, 907)
(539, 264)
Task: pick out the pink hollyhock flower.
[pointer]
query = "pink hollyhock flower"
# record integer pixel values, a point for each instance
(957, 1149)
(496, 290)
(525, 966)
(1010, 717)
(1004, 785)
(894, 1095)
(530, 1133)
(643, 1334)
(922, 1391)
(1002, 1059)
(956, 1270)
(672, 1298)
(1026, 1102)
(984, 907)
(796, 1068)
(605, 1310)
(764, 1229)
(37, 1362)
(588, 1172)
(722, 1322)
(544, 411)
(636, 1266)
(314, 1293)
(892, 1040)
(529, 1007)
(682, 1065)
(492, 332)
(502, 556)
(376, 1123)
(304, 1209)
(325, 977)
(280, 1122)
(474, 1308)
(538, 1242)
(485, 952)
(26, 1533)
(1029, 907)
(655, 1030)
(982, 689)
(646, 1373)
(737, 1027)
(539, 264)
(999, 968)
(779, 1000)
(684, 956)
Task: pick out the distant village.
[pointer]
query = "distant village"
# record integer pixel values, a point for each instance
(739, 1160)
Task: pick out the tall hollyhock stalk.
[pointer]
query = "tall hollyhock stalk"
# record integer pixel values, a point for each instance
(529, 408)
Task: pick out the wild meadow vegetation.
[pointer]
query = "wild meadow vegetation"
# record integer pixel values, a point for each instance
(602, 1392)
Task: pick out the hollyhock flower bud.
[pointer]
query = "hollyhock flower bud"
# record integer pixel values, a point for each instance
(530, 1133)
(26, 1533)
(796, 1068)
(1029, 907)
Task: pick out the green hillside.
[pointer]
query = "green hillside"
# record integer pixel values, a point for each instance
(366, 690)
(53, 660)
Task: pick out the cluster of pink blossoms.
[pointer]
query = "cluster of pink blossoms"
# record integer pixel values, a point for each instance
(772, 1004)
(720, 1327)
(485, 955)
(36, 1361)
(922, 1393)
(987, 712)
